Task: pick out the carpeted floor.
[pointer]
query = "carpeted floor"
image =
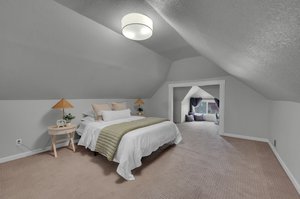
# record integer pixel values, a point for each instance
(204, 166)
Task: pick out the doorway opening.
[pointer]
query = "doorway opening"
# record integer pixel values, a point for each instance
(198, 101)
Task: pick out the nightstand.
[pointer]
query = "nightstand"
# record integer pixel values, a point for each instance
(54, 131)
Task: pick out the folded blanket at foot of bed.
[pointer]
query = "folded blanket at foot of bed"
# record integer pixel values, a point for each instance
(110, 137)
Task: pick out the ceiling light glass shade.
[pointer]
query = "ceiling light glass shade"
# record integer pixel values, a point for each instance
(136, 26)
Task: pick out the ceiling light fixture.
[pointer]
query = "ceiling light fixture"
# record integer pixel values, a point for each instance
(137, 26)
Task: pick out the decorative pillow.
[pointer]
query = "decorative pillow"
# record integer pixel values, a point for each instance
(189, 118)
(210, 117)
(119, 106)
(98, 108)
(198, 117)
(115, 115)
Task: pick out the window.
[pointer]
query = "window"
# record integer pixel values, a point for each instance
(207, 106)
(202, 108)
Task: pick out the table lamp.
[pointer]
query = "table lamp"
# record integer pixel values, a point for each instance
(139, 102)
(62, 104)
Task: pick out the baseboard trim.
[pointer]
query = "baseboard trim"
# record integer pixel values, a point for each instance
(285, 168)
(62, 143)
(245, 137)
(283, 165)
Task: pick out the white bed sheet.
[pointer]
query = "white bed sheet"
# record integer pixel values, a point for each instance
(133, 145)
(84, 122)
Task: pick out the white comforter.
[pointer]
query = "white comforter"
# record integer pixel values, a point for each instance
(135, 144)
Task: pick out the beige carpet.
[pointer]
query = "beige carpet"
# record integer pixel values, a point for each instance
(203, 166)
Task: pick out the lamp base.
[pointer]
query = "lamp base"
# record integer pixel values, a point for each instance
(140, 113)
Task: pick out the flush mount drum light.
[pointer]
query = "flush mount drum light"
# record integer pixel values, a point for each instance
(136, 26)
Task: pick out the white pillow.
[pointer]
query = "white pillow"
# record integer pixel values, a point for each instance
(115, 115)
(210, 117)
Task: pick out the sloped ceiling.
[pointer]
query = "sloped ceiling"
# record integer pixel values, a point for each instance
(257, 41)
(165, 40)
(48, 51)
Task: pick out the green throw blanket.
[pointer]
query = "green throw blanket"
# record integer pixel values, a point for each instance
(110, 137)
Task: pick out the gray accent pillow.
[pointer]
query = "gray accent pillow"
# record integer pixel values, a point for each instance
(189, 118)
(198, 117)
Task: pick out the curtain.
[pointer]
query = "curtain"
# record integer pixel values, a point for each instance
(218, 105)
(217, 102)
(194, 101)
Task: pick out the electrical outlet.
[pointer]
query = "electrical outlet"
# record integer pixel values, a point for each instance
(18, 141)
(274, 143)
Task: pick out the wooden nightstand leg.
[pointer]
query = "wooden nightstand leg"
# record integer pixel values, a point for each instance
(54, 145)
(71, 141)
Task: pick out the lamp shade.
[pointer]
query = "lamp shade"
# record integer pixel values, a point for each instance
(62, 104)
(137, 26)
(139, 102)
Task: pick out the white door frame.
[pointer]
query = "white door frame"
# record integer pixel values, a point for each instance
(221, 83)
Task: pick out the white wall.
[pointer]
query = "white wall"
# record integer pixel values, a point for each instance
(285, 128)
(29, 119)
(179, 94)
(214, 90)
(246, 111)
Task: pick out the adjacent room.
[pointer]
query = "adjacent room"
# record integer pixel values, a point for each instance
(197, 107)
(149, 99)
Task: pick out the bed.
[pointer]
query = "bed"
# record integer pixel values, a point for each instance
(134, 145)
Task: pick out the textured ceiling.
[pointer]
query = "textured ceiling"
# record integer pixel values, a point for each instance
(45, 48)
(165, 40)
(257, 41)
(48, 51)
